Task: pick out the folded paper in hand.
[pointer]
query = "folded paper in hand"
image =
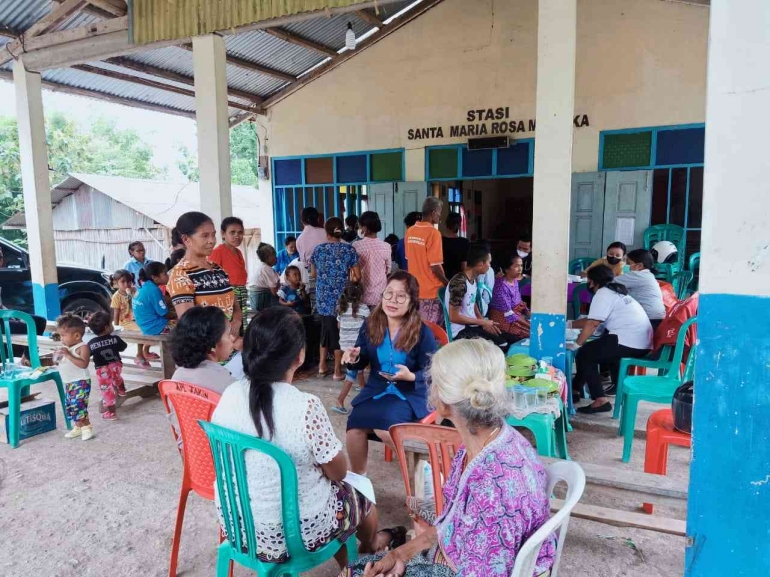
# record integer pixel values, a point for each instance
(361, 484)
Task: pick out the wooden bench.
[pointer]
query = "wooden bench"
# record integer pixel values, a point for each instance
(147, 379)
(637, 486)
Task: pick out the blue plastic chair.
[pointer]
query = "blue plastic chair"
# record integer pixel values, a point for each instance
(654, 389)
(17, 379)
(578, 265)
(229, 450)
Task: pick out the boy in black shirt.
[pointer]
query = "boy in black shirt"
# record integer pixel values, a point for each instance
(105, 350)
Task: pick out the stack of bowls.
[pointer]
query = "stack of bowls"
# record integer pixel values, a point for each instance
(521, 368)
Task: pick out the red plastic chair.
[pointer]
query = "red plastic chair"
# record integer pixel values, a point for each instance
(660, 434)
(438, 333)
(442, 443)
(191, 404)
(429, 420)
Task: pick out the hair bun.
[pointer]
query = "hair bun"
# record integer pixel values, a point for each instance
(479, 393)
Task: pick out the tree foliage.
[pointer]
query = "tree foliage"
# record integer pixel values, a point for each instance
(244, 160)
(102, 149)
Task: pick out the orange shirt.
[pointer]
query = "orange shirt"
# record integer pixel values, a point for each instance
(234, 265)
(423, 250)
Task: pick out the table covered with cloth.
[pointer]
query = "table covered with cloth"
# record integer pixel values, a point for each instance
(585, 297)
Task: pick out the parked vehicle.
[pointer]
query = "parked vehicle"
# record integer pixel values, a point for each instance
(82, 290)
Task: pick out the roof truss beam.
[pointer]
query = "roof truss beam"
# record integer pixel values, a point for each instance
(48, 22)
(384, 31)
(370, 18)
(175, 76)
(150, 84)
(113, 7)
(248, 65)
(292, 38)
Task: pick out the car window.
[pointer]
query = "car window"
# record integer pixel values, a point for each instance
(11, 258)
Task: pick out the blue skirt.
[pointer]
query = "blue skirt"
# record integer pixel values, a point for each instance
(381, 413)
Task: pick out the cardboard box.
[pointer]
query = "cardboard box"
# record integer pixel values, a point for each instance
(37, 417)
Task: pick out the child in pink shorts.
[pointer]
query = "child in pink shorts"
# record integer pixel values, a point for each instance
(105, 350)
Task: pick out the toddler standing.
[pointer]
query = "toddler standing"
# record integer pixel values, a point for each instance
(352, 315)
(123, 312)
(73, 359)
(106, 349)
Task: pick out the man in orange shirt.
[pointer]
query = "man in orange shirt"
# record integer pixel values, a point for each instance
(425, 260)
(228, 256)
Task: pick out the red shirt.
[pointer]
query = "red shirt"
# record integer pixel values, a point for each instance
(232, 262)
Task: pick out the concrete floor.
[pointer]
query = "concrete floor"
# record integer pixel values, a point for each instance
(107, 507)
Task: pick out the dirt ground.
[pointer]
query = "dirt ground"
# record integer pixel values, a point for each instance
(107, 506)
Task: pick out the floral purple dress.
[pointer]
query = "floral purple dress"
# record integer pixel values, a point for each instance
(508, 310)
(493, 507)
(490, 509)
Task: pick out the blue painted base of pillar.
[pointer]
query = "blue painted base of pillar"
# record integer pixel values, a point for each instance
(46, 300)
(547, 338)
(728, 518)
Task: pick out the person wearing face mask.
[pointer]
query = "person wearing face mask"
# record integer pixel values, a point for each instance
(627, 333)
(616, 254)
(638, 277)
(374, 258)
(524, 250)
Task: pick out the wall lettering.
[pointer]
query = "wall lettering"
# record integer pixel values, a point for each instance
(484, 121)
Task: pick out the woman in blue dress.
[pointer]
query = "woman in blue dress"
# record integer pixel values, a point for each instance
(397, 346)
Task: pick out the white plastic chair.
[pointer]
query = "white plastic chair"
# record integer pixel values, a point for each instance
(571, 473)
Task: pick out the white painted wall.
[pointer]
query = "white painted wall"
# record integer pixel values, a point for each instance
(639, 63)
(735, 254)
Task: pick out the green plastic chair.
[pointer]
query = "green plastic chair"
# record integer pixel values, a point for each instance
(576, 303)
(578, 265)
(682, 280)
(550, 433)
(447, 323)
(657, 389)
(18, 385)
(694, 263)
(670, 232)
(229, 450)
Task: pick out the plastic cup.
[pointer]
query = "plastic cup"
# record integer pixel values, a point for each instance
(548, 361)
(519, 400)
(531, 398)
(542, 396)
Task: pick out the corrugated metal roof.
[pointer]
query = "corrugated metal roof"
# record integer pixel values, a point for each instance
(255, 46)
(164, 202)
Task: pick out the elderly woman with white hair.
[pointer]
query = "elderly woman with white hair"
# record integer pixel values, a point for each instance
(495, 495)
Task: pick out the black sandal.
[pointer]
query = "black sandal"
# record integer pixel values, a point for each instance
(397, 537)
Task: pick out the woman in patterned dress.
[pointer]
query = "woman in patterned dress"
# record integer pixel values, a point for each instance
(495, 496)
(332, 265)
(507, 309)
(195, 280)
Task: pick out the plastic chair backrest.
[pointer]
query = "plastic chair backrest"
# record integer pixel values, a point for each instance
(694, 263)
(676, 358)
(670, 232)
(229, 449)
(682, 280)
(447, 323)
(191, 404)
(442, 443)
(576, 302)
(6, 350)
(572, 474)
(438, 333)
(578, 265)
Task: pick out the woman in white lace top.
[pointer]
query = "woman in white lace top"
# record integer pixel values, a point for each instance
(267, 405)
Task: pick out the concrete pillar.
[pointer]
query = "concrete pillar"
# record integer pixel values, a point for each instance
(210, 69)
(37, 191)
(728, 519)
(556, 45)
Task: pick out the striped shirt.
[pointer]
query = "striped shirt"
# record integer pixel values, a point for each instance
(350, 326)
(190, 283)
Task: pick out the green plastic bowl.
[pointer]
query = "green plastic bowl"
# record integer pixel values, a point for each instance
(544, 384)
(519, 372)
(521, 360)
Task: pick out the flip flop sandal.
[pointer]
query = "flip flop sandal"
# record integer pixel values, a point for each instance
(340, 410)
(397, 536)
(340, 378)
(324, 374)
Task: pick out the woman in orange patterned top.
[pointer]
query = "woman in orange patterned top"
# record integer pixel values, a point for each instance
(196, 281)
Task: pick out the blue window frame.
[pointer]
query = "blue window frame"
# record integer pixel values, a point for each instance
(675, 156)
(515, 161)
(347, 193)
